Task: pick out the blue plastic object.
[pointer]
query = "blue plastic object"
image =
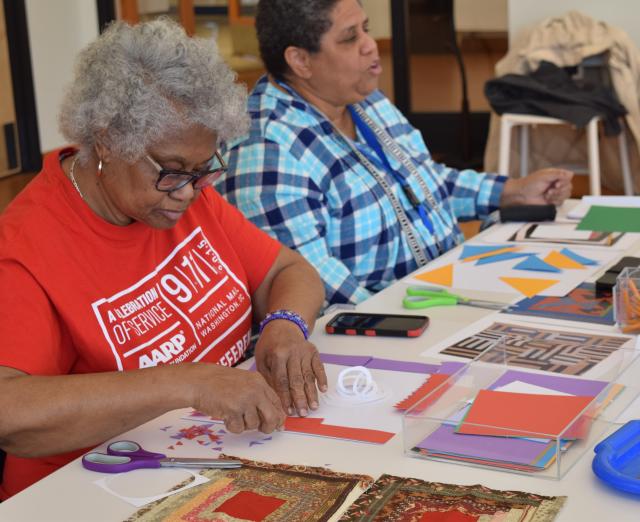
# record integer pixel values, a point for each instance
(617, 460)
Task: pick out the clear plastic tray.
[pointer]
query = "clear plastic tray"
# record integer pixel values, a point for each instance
(429, 427)
(626, 300)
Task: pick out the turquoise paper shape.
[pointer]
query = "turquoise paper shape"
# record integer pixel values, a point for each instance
(474, 250)
(577, 257)
(501, 257)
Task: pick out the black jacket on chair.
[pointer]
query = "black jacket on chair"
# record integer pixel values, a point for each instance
(551, 91)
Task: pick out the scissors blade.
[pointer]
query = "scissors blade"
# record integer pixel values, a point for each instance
(428, 288)
(179, 462)
(490, 305)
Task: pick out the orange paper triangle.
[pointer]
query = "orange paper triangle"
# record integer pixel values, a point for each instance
(527, 286)
(491, 254)
(439, 276)
(559, 260)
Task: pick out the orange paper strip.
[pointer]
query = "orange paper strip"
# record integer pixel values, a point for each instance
(490, 254)
(439, 276)
(529, 286)
(314, 426)
(427, 387)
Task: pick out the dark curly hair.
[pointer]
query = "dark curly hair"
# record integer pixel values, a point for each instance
(284, 23)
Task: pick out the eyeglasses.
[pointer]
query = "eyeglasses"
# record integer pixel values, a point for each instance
(170, 179)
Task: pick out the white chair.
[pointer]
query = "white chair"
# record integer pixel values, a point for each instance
(524, 121)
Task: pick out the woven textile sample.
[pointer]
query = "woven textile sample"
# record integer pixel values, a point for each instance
(570, 353)
(396, 499)
(581, 304)
(260, 491)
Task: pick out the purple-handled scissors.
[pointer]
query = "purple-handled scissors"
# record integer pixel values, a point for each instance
(126, 455)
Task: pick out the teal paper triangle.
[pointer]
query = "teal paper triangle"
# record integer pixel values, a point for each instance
(474, 250)
(537, 264)
(577, 257)
(505, 256)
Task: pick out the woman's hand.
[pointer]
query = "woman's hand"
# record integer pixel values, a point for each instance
(242, 399)
(542, 187)
(291, 365)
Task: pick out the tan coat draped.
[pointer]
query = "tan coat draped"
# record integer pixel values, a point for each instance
(566, 41)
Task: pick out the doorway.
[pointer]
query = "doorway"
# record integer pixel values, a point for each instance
(9, 146)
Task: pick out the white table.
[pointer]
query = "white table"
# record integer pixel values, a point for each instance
(70, 495)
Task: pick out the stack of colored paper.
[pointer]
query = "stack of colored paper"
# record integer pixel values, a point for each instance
(520, 422)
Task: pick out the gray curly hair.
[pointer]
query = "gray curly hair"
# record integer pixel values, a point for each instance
(134, 84)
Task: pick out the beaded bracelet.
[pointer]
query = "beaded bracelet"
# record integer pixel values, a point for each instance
(287, 315)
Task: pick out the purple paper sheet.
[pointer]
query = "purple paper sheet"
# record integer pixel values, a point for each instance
(450, 367)
(374, 363)
(402, 366)
(516, 450)
(573, 386)
(345, 360)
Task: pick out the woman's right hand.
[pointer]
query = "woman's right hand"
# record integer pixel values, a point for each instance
(241, 398)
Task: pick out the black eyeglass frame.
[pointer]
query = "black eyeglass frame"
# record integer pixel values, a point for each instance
(188, 177)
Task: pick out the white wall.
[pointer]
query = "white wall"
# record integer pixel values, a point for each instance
(470, 15)
(379, 13)
(481, 15)
(58, 29)
(625, 14)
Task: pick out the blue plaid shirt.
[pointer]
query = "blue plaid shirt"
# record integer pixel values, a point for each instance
(295, 177)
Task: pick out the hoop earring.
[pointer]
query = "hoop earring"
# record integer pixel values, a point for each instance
(99, 167)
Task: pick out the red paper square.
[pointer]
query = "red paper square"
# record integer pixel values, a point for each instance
(250, 506)
(504, 414)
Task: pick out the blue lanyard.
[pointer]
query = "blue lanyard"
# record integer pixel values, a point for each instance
(373, 142)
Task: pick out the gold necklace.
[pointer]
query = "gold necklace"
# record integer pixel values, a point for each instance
(73, 178)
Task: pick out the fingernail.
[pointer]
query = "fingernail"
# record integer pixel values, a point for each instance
(324, 388)
(303, 412)
(290, 410)
(314, 405)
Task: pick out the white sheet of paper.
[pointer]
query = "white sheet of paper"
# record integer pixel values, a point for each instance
(581, 209)
(146, 482)
(525, 387)
(503, 233)
(560, 231)
(486, 278)
(378, 415)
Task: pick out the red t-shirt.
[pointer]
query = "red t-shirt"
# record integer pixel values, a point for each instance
(80, 295)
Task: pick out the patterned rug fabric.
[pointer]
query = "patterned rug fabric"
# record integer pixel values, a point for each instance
(259, 491)
(396, 499)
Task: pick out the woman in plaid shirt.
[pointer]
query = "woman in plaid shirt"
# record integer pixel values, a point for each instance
(331, 168)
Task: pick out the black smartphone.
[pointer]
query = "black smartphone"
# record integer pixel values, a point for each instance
(353, 323)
